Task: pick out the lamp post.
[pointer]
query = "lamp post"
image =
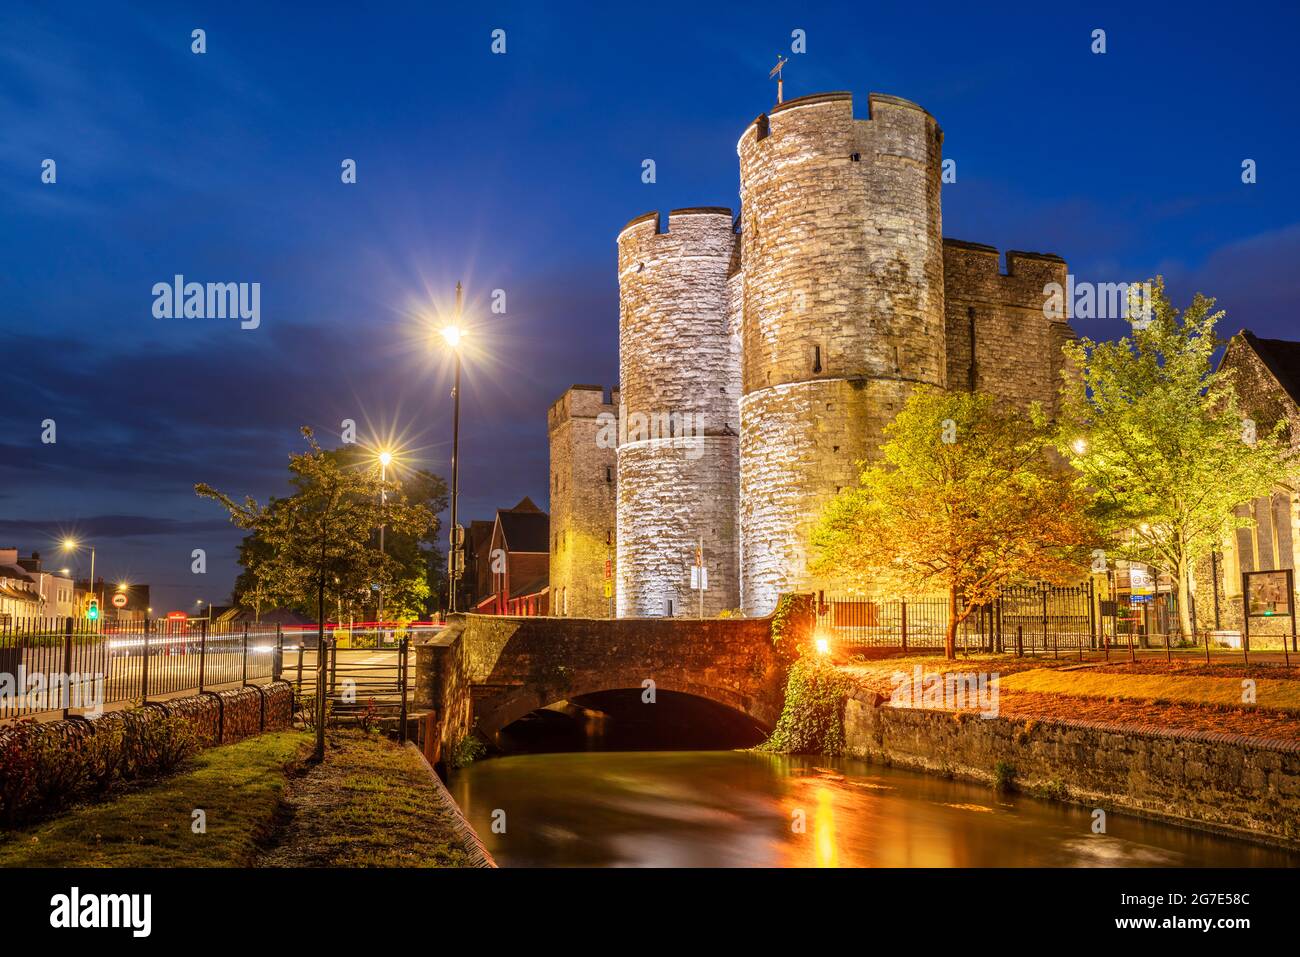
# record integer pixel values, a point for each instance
(385, 458)
(452, 334)
(72, 545)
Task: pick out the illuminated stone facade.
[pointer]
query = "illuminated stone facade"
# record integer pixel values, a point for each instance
(789, 336)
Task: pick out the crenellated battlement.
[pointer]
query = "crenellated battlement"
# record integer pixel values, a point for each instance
(973, 271)
(796, 329)
(692, 232)
(582, 402)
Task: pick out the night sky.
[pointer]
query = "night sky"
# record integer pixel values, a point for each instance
(516, 172)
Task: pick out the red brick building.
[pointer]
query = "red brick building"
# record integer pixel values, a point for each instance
(517, 563)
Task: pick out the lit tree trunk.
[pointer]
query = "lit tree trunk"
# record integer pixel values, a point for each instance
(950, 639)
(320, 670)
(1184, 602)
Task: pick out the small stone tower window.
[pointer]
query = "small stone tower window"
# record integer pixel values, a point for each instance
(856, 157)
(609, 474)
(817, 359)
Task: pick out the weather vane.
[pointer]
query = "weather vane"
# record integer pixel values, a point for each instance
(780, 82)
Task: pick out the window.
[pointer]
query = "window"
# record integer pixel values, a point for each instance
(609, 473)
(817, 359)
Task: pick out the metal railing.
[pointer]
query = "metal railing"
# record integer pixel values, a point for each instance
(78, 665)
(74, 664)
(1038, 619)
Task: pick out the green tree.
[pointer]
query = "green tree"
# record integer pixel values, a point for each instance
(410, 565)
(964, 500)
(321, 538)
(1159, 440)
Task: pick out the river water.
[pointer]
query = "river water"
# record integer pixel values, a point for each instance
(745, 809)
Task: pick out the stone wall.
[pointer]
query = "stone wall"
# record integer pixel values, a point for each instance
(1017, 354)
(676, 358)
(804, 333)
(842, 310)
(583, 483)
(1263, 399)
(1247, 787)
(485, 671)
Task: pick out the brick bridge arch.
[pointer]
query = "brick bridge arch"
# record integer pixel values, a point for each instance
(486, 671)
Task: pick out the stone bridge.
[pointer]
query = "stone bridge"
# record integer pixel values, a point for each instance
(485, 671)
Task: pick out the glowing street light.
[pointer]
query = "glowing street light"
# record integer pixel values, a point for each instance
(72, 545)
(385, 459)
(452, 334)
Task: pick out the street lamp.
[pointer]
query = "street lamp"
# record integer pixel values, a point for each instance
(385, 459)
(452, 335)
(72, 545)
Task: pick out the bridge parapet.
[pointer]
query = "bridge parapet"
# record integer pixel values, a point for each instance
(485, 671)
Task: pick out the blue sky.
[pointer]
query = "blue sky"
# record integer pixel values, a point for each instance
(516, 171)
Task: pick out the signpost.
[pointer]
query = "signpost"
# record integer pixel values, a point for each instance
(1268, 594)
(700, 574)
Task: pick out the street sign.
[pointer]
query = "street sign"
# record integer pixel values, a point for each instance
(699, 578)
(609, 589)
(1141, 581)
(119, 600)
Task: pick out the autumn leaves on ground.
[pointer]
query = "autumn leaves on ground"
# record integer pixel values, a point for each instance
(370, 804)
(1261, 700)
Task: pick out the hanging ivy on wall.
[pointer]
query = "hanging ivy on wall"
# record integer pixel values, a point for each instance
(812, 721)
(792, 611)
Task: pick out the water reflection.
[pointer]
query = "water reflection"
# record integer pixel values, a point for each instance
(732, 809)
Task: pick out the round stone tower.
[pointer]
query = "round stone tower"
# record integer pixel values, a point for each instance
(842, 311)
(679, 372)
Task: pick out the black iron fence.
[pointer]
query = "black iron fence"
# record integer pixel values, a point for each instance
(1036, 619)
(1025, 619)
(77, 665)
(74, 664)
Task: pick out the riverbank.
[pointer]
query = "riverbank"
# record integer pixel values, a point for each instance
(259, 803)
(1167, 744)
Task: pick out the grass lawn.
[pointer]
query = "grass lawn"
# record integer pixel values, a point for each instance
(1180, 694)
(371, 804)
(238, 787)
(1269, 693)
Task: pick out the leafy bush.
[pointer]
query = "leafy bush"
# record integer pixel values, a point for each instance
(1004, 776)
(467, 751)
(159, 745)
(812, 721)
(46, 767)
(18, 770)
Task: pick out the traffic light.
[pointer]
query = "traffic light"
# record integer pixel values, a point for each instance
(92, 609)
